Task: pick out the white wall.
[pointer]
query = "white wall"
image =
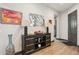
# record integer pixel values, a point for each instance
(64, 23)
(63, 26)
(17, 30)
(57, 25)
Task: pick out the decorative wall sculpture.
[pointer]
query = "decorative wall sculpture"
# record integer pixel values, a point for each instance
(36, 20)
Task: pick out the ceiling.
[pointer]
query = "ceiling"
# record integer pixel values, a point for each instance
(60, 6)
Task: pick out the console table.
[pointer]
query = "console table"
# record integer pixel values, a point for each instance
(32, 43)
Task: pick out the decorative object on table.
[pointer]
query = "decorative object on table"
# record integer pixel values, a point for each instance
(10, 17)
(39, 40)
(25, 30)
(39, 45)
(10, 50)
(50, 21)
(38, 32)
(36, 20)
(47, 29)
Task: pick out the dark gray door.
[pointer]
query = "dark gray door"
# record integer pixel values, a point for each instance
(55, 29)
(72, 28)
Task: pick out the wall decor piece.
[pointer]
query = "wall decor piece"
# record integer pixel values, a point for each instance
(50, 21)
(10, 17)
(0, 16)
(36, 20)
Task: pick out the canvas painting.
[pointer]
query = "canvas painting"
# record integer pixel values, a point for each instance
(10, 17)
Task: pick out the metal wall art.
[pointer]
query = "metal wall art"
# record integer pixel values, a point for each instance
(36, 20)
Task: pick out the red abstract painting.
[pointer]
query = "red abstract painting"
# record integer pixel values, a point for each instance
(10, 16)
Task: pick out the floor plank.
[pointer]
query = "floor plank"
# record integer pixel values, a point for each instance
(58, 48)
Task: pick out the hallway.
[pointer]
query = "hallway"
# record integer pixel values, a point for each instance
(58, 48)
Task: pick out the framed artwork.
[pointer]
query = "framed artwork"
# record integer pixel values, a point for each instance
(10, 17)
(36, 20)
(0, 15)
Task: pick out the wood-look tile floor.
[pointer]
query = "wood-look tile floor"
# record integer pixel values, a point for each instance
(58, 48)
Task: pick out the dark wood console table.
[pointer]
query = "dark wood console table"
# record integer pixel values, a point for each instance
(32, 43)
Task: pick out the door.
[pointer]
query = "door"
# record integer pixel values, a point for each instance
(72, 28)
(55, 27)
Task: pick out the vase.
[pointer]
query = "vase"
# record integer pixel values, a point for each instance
(10, 50)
